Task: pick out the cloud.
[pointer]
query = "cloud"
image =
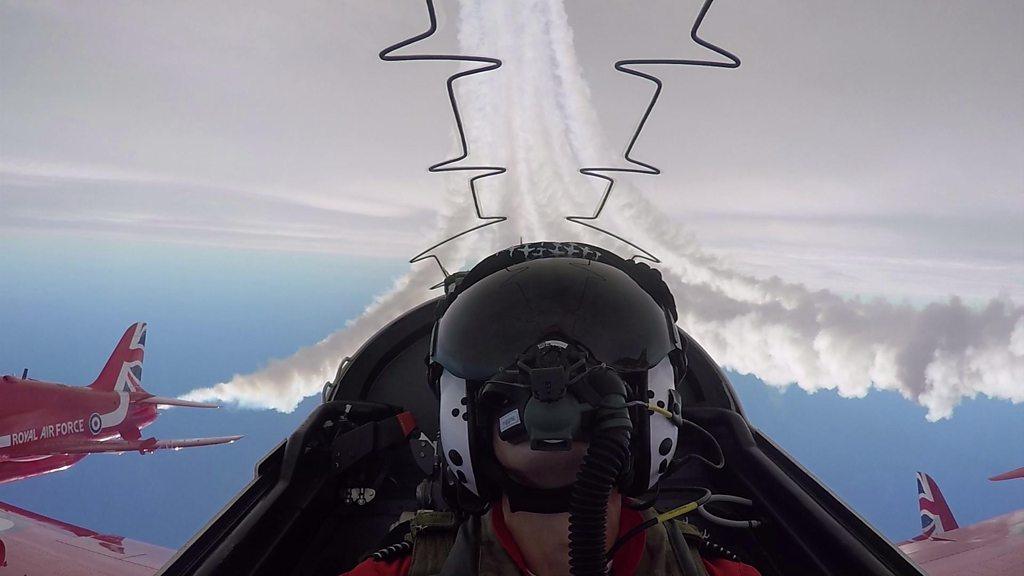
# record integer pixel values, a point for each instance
(285, 382)
(46, 175)
(90, 199)
(535, 115)
(825, 147)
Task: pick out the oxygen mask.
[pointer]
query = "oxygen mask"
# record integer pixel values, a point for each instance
(553, 395)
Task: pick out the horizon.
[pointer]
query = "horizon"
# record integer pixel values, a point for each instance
(247, 315)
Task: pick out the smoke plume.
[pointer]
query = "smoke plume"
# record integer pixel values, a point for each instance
(534, 115)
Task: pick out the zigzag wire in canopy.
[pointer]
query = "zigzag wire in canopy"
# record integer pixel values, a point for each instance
(489, 64)
(641, 167)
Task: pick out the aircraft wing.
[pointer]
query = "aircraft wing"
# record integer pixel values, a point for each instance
(142, 446)
(162, 401)
(994, 547)
(31, 543)
(1018, 473)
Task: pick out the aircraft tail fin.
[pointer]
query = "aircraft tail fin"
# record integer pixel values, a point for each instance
(123, 370)
(936, 516)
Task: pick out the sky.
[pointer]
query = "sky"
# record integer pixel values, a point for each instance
(246, 178)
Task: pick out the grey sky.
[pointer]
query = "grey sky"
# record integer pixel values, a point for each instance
(867, 147)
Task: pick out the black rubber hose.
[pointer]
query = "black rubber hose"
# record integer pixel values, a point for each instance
(588, 504)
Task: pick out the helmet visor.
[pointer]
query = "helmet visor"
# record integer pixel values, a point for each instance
(590, 303)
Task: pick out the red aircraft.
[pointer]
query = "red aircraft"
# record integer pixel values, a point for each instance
(994, 547)
(34, 545)
(47, 427)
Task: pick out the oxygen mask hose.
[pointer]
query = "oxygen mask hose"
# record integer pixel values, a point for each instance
(605, 460)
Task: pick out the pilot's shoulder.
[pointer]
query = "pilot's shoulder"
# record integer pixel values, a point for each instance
(724, 567)
(373, 567)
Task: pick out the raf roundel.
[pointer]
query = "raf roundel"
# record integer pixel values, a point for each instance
(95, 424)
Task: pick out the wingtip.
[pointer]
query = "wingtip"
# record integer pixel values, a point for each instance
(230, 439)
(1012, 474)
(178, 402)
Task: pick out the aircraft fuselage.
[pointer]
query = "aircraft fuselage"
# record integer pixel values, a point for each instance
(40, 419)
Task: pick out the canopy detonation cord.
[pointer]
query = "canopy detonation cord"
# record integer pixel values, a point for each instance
(642, 167)
(485, 171)
(489, 64)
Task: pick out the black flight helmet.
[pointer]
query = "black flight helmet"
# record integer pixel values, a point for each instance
(521, 342)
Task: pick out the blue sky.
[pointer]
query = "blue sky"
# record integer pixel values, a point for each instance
(210, 313)
(215, 312)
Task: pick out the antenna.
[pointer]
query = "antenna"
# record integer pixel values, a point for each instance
(24, 374)
(642, 167)
(446, 166)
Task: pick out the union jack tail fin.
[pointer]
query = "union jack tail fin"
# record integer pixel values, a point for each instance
(123, 371)
(936, 517)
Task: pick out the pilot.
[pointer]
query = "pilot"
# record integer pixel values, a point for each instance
(555, 366)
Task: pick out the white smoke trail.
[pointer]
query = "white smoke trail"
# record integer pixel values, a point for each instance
(535, 115)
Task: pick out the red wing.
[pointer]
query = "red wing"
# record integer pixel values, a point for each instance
(1018, 473)
(994, 547)
(193, 442)
(161, 401)
(147, 445)
(31, 543)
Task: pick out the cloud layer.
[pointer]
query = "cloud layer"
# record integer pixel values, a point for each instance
(866, 148)
(536, 116)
